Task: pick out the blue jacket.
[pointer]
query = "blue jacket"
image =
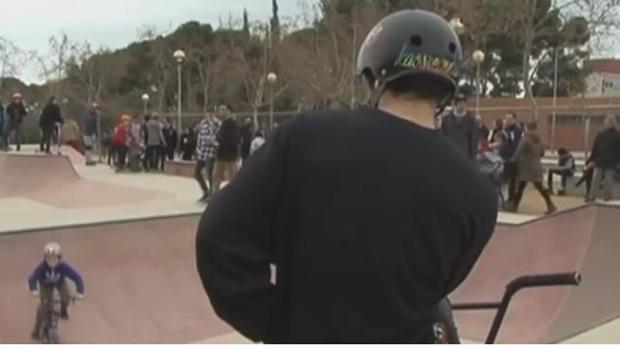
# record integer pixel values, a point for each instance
(45, 275)
(90, 124)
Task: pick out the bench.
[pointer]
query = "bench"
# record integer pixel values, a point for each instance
(180, 168)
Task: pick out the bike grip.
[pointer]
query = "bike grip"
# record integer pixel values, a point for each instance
(560, 279)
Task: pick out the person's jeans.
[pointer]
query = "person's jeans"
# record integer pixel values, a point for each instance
(46, 139)
(209, 164)
(89, 145)
(120, 152)
(510, 176)
(539, 188)
(608, 183)
(152, 157)
(564, 174)
(15, 128)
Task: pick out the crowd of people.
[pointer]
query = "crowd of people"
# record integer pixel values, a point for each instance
(54, 128)
(141, 143)
(218, 145)
(511, 156)
(222, 147)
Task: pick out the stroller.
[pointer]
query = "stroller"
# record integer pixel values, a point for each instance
(492, 167)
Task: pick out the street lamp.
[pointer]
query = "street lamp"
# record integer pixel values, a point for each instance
(457, 26)
(145, 99)
(478, 57)
(179, 57)
(272, 78)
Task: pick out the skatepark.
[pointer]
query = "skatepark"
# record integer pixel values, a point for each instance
(132, 237)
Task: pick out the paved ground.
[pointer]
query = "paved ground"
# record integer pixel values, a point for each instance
(170, 307)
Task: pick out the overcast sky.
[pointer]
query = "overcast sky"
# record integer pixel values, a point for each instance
(115, 23)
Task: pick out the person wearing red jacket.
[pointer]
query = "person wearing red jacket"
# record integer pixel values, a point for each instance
(120, 139)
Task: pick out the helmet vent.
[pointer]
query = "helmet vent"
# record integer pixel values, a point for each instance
(452, 47)
(416, 40)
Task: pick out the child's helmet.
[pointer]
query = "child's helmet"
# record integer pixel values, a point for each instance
(52, 249)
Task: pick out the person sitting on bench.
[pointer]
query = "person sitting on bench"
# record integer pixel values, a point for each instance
(565, 169)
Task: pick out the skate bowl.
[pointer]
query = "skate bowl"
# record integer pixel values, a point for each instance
(141, 284)
(584, 239)
(52, 180)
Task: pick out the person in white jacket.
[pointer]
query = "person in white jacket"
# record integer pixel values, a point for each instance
(258, 141)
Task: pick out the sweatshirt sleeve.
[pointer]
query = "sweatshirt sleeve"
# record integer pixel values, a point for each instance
(234, 246)
(74, 276)
(35, 277)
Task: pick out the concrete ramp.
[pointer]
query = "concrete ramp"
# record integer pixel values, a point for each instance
(52, 180)
(141, 284)
(586, 239)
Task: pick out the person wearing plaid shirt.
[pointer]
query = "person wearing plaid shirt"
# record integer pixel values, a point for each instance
(206, 149)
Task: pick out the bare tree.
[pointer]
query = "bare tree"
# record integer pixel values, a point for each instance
(324, 55)
(163, 66)
(89, 71)
(12, 59)
(53, 64)
(209, 61)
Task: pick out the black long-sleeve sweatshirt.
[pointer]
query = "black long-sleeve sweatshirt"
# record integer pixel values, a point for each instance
(369, 219)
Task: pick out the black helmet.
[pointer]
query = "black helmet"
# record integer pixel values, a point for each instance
(411, 43)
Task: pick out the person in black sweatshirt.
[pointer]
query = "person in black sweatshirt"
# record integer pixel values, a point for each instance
(50, 117)
(605, 158)
(460, 126)
(309, 244)
(15, 114)
(513, 133)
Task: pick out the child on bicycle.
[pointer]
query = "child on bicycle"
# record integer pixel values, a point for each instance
(51, 274)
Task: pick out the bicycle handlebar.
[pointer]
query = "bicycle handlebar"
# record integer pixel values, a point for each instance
(561, 279)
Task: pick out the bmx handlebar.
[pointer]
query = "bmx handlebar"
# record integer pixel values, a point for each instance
(561, 279)
(530, 281)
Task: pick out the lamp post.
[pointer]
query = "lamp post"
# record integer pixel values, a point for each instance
(478, 57)
(272, 78)
(145, 99)
(179, 56)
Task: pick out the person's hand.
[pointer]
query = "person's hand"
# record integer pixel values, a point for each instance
(34, 294)
(79, 296)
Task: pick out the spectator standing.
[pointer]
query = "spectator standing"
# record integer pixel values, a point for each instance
(258, 142)
(528, 157)
(460, 126)
(155, 142)
(136, 144)
(16, 112)
(171, 137)
(3, 140)
(71, 136)
(246, 139)
(120, 141)
(228, 153)
(206, 149)
(49, 120)
(89, 125)
(513, 134)
(605, 158)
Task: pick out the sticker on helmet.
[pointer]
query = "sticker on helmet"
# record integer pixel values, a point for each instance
(419, 61)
